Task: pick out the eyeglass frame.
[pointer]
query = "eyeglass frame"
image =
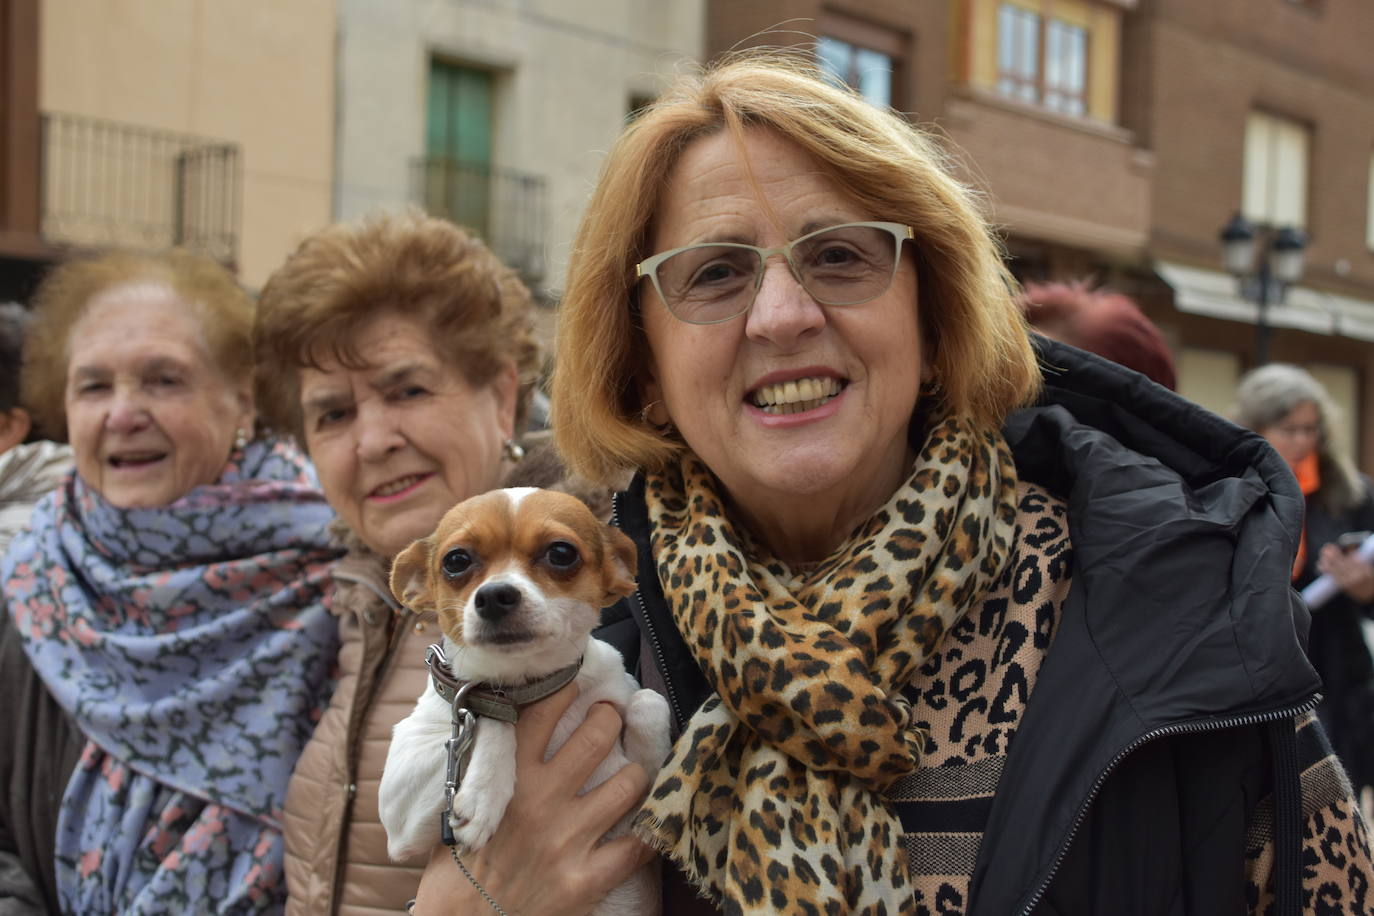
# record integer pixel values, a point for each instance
(1294, 430)
(900, 232)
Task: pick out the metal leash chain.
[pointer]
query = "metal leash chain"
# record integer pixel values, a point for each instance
(480, 889)
(457, 746)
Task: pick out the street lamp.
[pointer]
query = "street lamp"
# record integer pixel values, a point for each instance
(1264, 279)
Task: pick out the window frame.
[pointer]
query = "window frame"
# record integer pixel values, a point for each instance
(1013, 80)
(1034, 88)
(1272, 169)
(1064, 98)
(888, 41)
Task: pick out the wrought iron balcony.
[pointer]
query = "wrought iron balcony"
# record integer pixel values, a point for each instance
(107, 184)
(505, 208)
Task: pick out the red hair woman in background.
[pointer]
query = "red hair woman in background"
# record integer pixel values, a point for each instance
(1102, 322)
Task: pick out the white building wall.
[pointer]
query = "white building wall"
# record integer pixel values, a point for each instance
(566, 71)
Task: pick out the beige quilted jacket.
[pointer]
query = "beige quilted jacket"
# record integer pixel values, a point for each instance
(336, 861)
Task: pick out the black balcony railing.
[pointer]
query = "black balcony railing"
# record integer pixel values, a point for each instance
(107, 184)
(504, 207)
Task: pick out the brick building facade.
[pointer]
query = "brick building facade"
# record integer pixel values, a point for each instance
(1114, 139)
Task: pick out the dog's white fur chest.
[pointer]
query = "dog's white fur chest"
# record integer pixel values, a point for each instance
(411, 793)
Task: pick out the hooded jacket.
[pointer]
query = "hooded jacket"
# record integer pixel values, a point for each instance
(1145, 767)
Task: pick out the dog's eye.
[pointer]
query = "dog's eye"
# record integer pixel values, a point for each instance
(562, 555)
(457, 562)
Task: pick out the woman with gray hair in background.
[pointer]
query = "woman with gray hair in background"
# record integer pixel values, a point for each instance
(28, 470)
(1291, 409)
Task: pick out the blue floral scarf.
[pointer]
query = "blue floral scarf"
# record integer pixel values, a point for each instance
(193, 648)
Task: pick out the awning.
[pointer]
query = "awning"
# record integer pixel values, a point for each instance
(1213, 293)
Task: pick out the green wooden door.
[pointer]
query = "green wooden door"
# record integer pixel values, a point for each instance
(458, 145)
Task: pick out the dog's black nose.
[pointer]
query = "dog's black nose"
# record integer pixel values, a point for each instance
(496, 600)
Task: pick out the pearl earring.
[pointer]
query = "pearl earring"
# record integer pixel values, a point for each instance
(512, 451)
(240, 438)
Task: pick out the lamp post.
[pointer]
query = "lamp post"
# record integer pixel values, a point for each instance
(1266, 278)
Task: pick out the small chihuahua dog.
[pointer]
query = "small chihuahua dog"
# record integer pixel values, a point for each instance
(518, 578)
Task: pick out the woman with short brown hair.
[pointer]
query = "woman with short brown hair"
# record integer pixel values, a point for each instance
(399, 351)
(425, 268)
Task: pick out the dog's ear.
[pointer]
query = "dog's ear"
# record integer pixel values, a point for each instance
(410, 577)
(621, 563)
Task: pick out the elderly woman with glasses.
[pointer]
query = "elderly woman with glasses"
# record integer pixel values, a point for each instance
(941, 632)
(1293, 411)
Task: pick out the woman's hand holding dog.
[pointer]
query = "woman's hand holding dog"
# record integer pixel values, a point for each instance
(545, 857)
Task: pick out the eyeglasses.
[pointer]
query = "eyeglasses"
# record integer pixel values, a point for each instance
(1297, 430)
(713, 282)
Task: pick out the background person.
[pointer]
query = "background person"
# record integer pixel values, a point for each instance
(400, 352)
(166, 649)
(857, 582)
(28, 470)
(1100, 321)
(1291, 409)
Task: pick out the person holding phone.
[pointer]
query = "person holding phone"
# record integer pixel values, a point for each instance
(1292, 410)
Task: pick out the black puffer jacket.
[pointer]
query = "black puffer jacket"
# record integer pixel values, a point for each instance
(1336, 644)
(1163, 716)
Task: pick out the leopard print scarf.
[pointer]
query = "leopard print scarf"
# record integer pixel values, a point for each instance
(772, 799)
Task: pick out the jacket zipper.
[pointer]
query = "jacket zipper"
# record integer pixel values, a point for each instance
(395, 633)
(1164, 731)
(649, 628)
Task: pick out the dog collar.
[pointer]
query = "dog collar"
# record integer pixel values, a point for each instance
(491, 700)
